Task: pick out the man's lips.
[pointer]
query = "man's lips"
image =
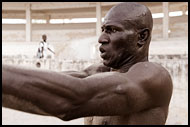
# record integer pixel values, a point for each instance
(103, 55)
(102, 50)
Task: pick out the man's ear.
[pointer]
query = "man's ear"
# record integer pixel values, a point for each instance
(143, 36)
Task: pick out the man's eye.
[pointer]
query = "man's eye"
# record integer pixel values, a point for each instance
(109, 30)
(113, 30)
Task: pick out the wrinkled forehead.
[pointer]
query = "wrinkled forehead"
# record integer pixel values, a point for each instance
(126, 11)
(129, 14)
(113, 22)
(121, 22)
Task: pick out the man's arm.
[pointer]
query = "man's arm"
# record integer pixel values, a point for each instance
(44, 91)
(20, 104)
(109, 93)
(51, 50)
(12, 100)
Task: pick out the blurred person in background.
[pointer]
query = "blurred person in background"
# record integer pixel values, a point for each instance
(45, 50)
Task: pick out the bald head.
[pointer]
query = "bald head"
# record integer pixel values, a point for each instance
(138, 15)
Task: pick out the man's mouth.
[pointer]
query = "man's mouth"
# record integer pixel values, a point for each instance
(103, 52)
(103, 55)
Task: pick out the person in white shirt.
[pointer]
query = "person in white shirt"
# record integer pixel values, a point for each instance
(44, 50)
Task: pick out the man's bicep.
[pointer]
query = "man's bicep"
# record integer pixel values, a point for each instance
(119, 94)
(105, 95)
(113, 93)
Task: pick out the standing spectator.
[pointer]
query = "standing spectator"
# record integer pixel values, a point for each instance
(43, 49)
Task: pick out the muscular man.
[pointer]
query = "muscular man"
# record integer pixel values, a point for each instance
(125, 89)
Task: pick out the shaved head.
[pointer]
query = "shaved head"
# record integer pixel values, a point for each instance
(134, 13)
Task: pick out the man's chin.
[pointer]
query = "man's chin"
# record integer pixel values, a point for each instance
(106, 63)
(110, 64)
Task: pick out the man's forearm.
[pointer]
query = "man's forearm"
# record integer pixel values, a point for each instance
(13, 95)
(13, 102)
(37, 91)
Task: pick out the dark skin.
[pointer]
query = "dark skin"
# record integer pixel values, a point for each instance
(125, 89)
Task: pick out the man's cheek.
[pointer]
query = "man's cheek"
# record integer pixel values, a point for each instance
(120, 44)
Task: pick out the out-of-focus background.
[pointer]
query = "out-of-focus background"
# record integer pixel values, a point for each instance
(73, 28)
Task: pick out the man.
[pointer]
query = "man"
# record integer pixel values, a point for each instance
(127, 89)
(44, 48)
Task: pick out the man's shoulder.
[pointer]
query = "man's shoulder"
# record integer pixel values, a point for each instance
(154, 79)
(151, 67)
(151, 72)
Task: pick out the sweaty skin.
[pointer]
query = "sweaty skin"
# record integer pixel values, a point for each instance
(126, 89)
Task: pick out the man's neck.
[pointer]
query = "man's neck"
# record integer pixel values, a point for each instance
(125, 67)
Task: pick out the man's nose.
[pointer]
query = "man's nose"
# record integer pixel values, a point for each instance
(103, 39)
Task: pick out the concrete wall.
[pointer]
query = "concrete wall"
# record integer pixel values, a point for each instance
(67, 32)
(55, 33)
(178, 27)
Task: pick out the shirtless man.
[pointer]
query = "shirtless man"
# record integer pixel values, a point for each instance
(125, 89)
